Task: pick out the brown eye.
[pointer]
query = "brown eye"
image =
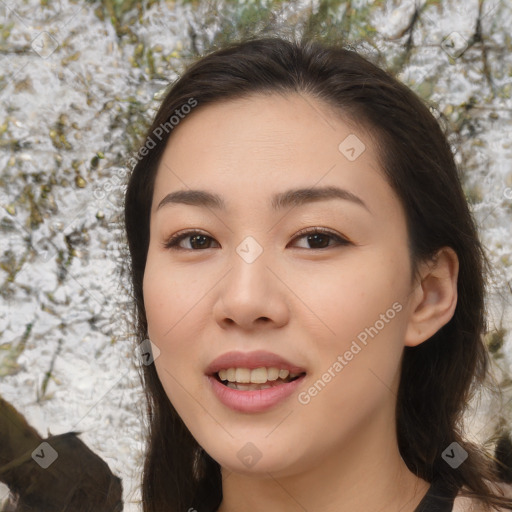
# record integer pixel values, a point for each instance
(197, 240)
(320, 238)
(316, 238)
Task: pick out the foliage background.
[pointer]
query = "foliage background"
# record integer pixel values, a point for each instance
(79, 83)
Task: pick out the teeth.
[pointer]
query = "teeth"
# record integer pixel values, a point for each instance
(247, 387)
(259, 376)
(273, 373)
(243, 375)
(283, 374)
(256, 376)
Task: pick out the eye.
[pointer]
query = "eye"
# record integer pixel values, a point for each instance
(197, 240)
(318, 238)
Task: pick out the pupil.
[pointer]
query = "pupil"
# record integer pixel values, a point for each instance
(314, 239)
(195, 239)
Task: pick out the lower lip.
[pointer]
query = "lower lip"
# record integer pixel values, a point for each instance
(253, 401)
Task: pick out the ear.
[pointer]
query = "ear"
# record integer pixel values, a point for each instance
(434, 297)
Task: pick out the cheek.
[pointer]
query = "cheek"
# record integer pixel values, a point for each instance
(358, 366)
(170, 296)
(359, 339)
(343, 300)
(172, 300)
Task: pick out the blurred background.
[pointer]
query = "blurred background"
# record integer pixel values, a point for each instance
(79, 83)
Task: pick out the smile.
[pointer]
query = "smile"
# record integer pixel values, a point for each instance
(252, 382)
(245, 379)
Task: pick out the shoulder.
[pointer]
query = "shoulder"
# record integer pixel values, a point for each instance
(465, 504)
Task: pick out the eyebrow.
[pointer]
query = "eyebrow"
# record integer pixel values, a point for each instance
(293, 197)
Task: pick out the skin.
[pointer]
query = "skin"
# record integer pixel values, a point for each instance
(339, 451)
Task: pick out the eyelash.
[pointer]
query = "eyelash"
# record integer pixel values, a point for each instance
(174, 240)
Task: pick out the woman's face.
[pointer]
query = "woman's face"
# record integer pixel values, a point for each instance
(299, 267)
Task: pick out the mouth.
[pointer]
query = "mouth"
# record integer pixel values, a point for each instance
(246, 379)
(253, 382)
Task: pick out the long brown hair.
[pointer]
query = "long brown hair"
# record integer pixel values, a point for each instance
(438, 377)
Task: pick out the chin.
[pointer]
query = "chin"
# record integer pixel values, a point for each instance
(255, 459)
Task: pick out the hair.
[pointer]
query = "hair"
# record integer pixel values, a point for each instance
(438, 377)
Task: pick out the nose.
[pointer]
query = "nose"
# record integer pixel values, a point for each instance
(252, 294)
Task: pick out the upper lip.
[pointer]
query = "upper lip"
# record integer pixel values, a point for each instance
(251, 360)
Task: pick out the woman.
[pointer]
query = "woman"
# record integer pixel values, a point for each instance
(307, 271)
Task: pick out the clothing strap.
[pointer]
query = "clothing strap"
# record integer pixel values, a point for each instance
(439, 498)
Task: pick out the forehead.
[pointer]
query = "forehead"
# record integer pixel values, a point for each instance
(263, 143)
(271, 124)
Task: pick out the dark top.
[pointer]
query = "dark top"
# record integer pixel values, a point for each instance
(439, 498)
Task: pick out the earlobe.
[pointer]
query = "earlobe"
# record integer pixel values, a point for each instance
(434, 299)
